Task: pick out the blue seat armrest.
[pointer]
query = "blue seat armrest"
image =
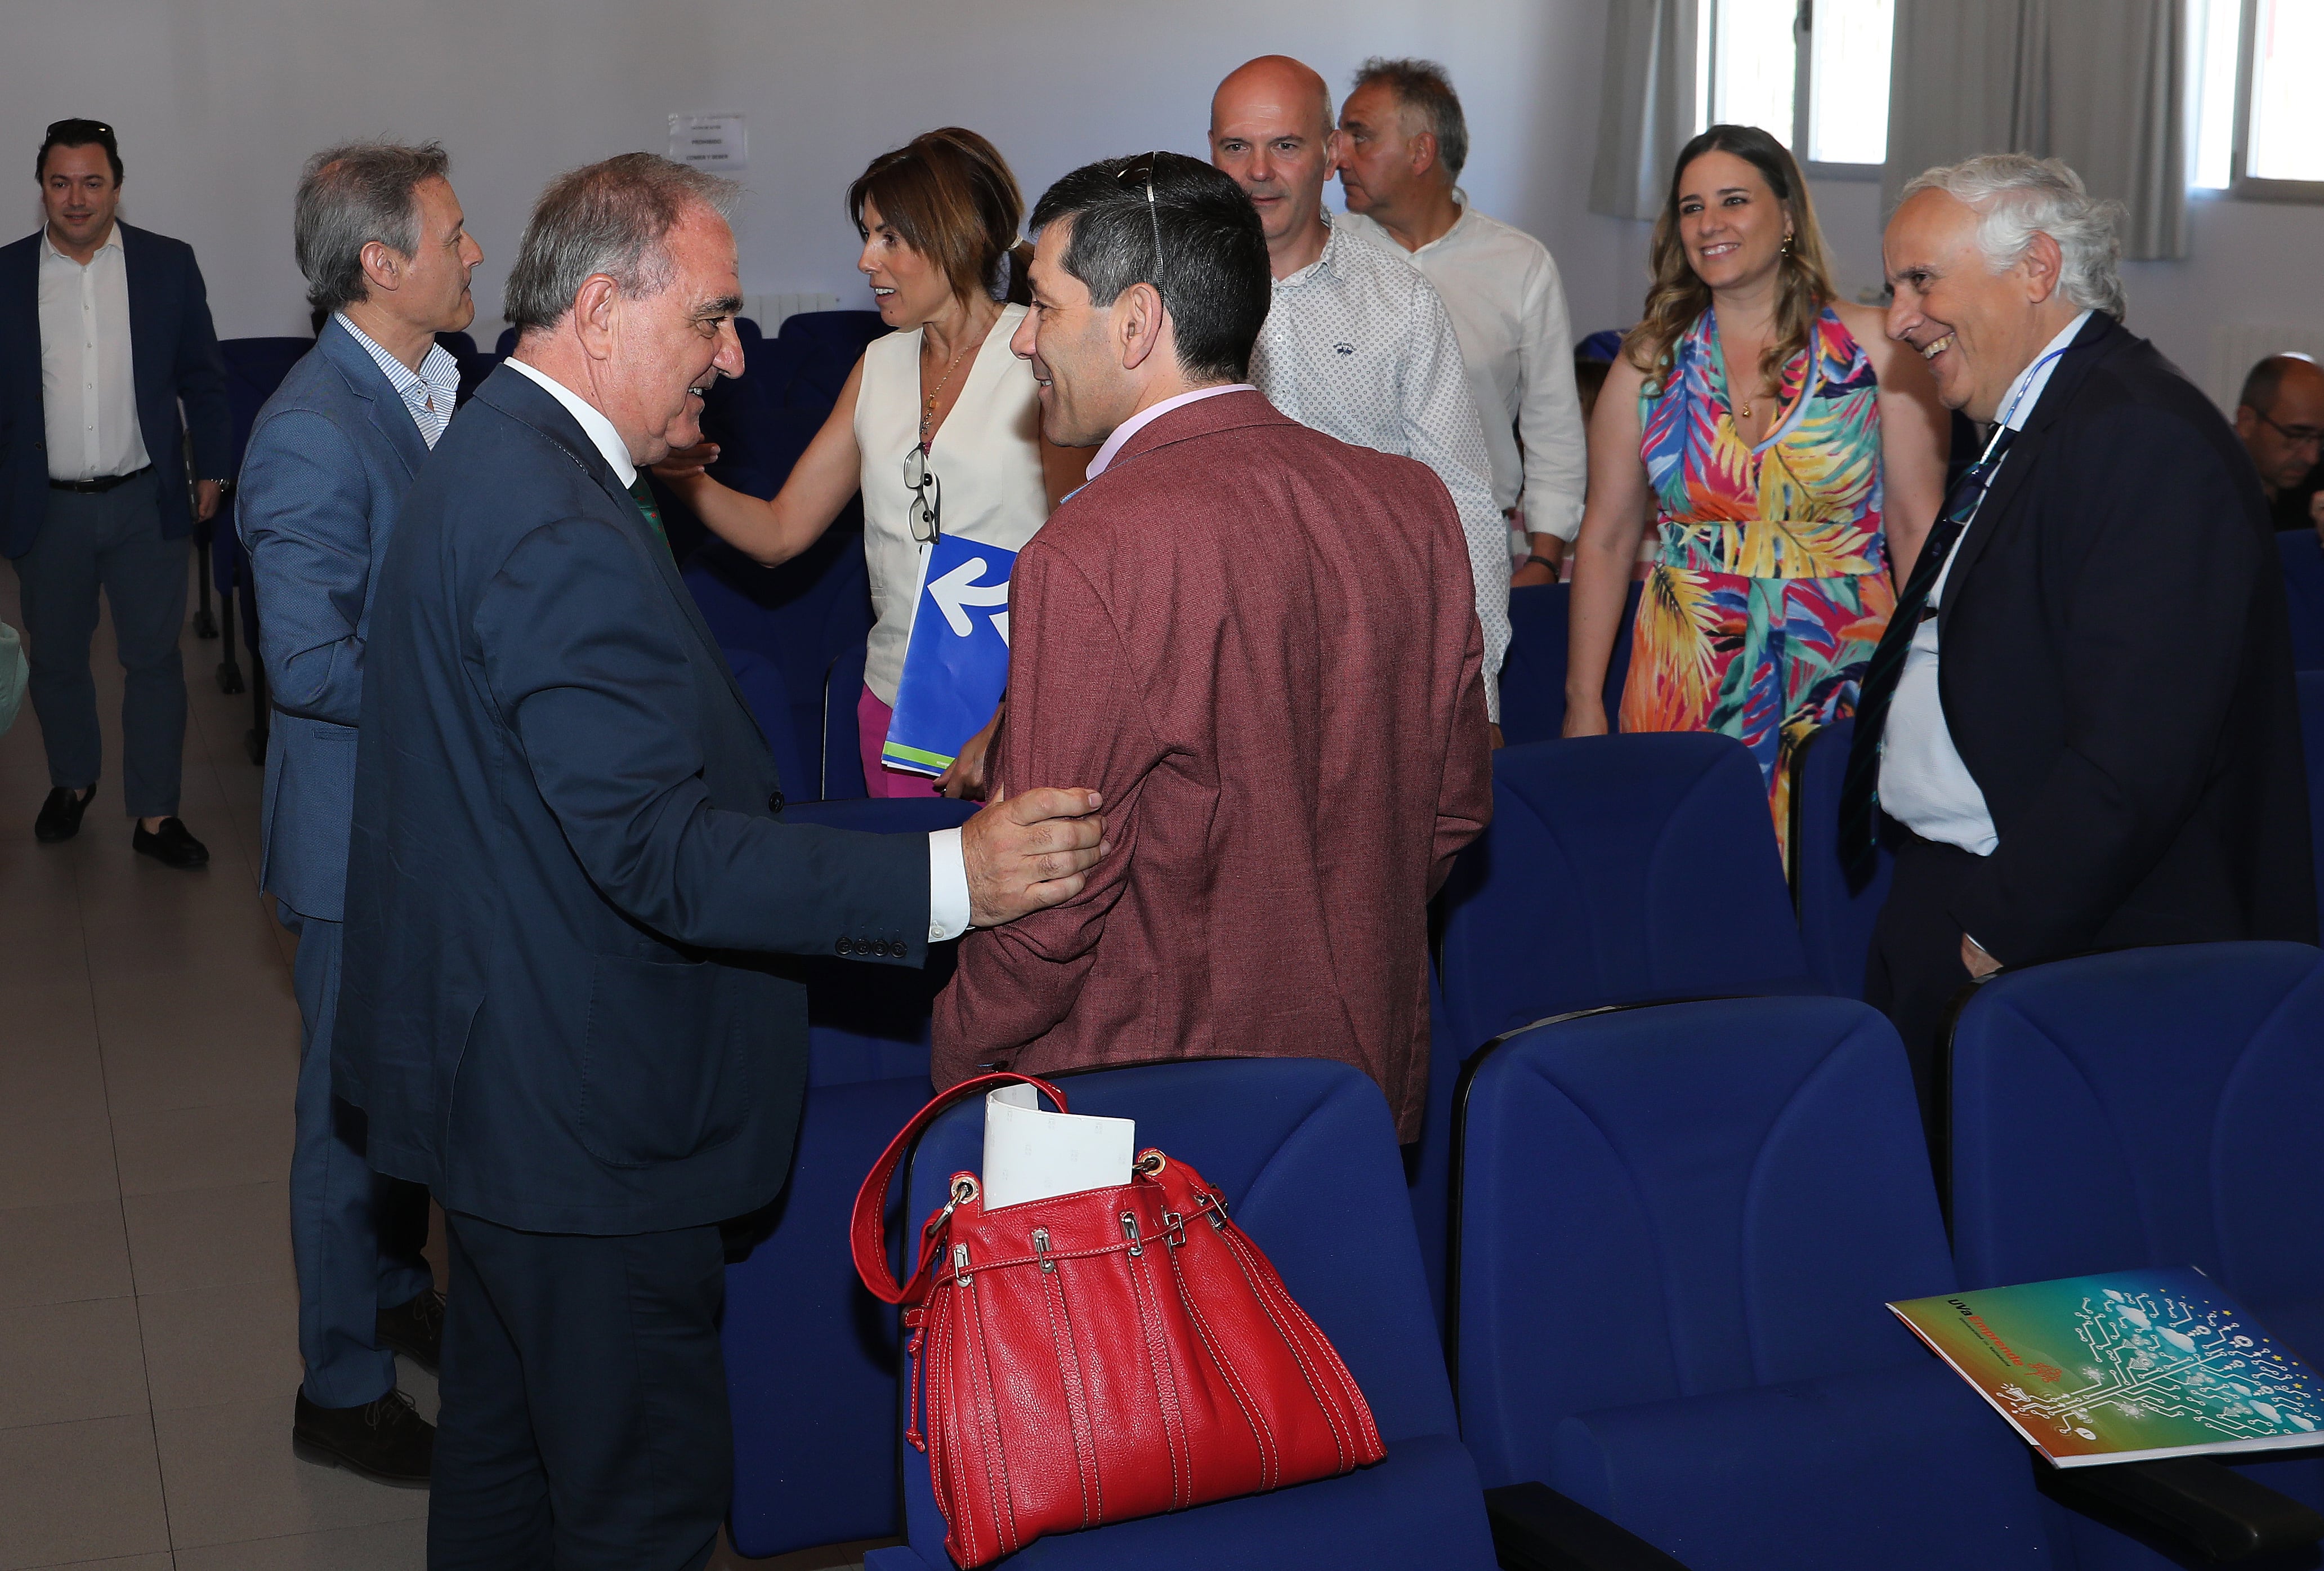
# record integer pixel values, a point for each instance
(2190, 1505)
(1537, 1529)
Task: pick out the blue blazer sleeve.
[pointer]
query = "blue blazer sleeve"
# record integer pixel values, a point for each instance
(304, 511)
(589, 665)
(202, 382)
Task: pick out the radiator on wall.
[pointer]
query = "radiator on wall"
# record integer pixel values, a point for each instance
(2238, 347)
(769, 310)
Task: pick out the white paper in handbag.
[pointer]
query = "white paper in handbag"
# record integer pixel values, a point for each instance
(1032, 1154)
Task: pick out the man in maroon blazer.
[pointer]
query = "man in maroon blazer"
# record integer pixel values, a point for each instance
(1259, 643)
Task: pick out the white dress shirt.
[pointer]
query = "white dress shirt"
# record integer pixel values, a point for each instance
(89, 378)
(949, 907)
(1502, 288)
(1924, 783)
(429, 393)
(1358, 345)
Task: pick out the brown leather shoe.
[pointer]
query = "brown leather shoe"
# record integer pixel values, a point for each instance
(386, 1441)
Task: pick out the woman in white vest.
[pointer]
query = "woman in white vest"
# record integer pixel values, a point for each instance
(938, 425)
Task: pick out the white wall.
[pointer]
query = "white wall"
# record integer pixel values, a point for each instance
(218, 101)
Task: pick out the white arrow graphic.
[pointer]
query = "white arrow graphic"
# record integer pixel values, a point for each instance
(959, 589)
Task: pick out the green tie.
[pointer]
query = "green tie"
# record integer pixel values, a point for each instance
(642, 494)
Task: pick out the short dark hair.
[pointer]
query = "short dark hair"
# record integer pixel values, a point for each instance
(349, 196)
(2266, 380)
(612, 218)
(950, 195)
(79, 134)
(1425, 85)
(1213, 272)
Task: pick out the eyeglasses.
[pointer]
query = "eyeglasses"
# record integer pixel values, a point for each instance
(2297, 436)
(926, 511)
(1136, 171)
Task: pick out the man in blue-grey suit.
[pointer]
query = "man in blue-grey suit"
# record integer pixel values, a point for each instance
(105, 332)
(567, 881)
(385, 249)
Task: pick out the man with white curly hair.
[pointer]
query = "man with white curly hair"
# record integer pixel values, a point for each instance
(2082, 717)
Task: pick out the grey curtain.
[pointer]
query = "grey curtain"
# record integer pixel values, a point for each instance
(2099, 83)
(1647, 113)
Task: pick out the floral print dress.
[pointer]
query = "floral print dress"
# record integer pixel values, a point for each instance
(1770, 587)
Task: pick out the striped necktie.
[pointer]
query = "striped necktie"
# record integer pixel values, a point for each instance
(1859, 832)
(642, 494)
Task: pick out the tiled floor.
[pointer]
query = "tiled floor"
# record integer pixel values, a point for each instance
(149, 1044)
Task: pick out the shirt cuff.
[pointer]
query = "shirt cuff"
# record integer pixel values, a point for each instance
(947, 886)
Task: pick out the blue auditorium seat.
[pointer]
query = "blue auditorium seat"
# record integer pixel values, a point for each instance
(825, 344)
(1305, 1152)
(2151, 1107)
(2312, 734)
(843, 752)
(811, 1362)
(1616, 870)
(456, 345)
(506, 344)
(2303, 592)
(770, 705)
(1679, 1227)
(800, 616)
(1533, 679)
(1835, 919)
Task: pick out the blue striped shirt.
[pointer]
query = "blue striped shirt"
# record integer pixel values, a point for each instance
(428, 394)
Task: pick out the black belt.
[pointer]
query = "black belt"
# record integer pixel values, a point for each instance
(101, 484)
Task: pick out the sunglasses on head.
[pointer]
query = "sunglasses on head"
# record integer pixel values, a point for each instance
(1138, 172)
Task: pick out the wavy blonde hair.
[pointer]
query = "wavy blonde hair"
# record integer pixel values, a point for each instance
(1677, 296)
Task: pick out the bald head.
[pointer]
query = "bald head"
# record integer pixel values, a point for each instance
(1271, 130)
(2281, 420)
(1276, 88)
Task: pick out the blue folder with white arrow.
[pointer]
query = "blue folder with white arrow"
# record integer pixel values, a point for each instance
(956, 664)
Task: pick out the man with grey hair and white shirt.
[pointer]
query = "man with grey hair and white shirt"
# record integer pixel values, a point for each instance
(1403, 141)
(2082, 716)
(385, 249)
(1357, 344)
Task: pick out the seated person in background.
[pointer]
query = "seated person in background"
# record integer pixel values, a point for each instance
(1235, 621)
(936, 425)
(2279, 416)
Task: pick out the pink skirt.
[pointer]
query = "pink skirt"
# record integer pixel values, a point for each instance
(872, 719)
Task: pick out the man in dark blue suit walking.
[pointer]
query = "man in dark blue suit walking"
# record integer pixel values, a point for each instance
(568, 873)
(385, 250)
(103, 330)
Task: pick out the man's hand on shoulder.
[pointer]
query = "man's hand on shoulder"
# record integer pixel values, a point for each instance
(1024, 854)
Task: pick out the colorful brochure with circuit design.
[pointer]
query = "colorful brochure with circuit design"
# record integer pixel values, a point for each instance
(2125, 1367)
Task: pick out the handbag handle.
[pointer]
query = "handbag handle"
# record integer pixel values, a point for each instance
(867, 1236)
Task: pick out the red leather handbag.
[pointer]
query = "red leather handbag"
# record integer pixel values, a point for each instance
(1095, 1357)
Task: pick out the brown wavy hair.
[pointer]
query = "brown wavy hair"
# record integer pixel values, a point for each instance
(1677, 296)
(950, 194)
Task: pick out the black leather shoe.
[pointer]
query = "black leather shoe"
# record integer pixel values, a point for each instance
(386, 1441)
(415, 1329)
(59, 816)
(171, 845)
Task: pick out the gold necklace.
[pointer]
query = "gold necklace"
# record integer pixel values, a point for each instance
(928, 405)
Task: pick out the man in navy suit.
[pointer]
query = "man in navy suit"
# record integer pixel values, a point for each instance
(385, 250)
(567, 881)
(2083, 715)
(103, 330)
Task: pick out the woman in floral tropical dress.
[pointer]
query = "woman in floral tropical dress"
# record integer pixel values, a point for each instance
(1787, 452)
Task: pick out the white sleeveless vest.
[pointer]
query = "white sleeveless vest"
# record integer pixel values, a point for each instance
(987, 457)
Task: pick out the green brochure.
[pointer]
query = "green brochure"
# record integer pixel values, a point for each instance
(2125, 1367)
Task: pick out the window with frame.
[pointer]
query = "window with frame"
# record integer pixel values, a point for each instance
(1812, 72)
(2254, 118)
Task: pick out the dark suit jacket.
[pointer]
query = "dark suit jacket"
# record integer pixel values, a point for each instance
(2117, 673)
(174, 351)
(331, 457)
(1261, 645)
(564, 836)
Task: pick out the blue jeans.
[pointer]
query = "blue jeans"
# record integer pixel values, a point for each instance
(356, 1235)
